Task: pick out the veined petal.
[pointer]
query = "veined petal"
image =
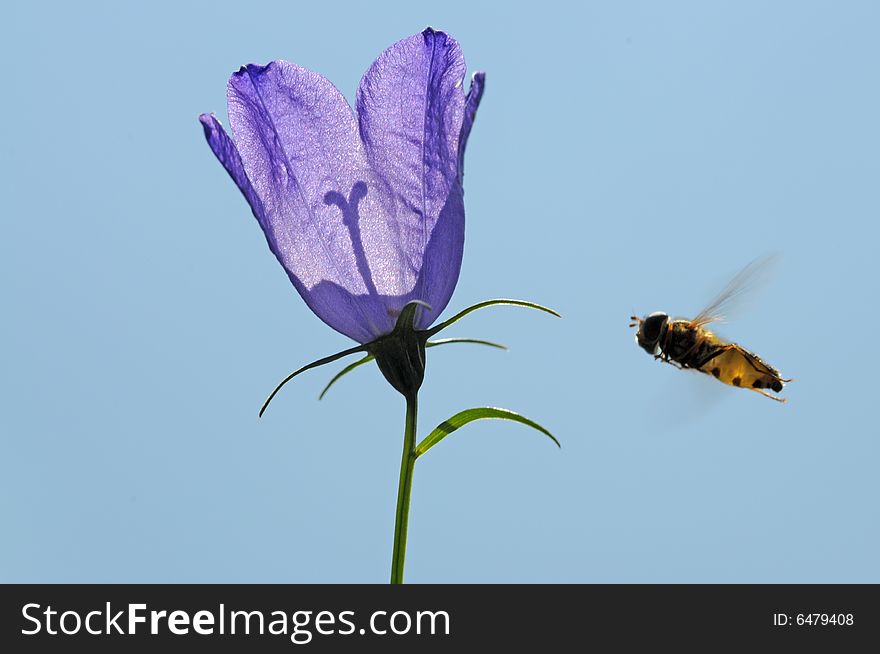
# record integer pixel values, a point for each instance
(411, 110)
(475, 94)
(298, 141)
(365, 214)
(224, 149)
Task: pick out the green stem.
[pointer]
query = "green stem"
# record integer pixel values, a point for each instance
(407, 464)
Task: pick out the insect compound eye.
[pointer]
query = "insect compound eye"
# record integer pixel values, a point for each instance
(652, 325)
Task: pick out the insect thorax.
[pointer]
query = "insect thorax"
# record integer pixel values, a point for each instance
(689, 345)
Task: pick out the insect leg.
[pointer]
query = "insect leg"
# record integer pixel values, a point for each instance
(766, 394)
(671, 362)
(665, 359)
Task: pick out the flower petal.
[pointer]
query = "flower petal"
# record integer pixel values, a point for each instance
(475, 94)
(365, 216)
(411, 110)
(224, 149)
(298, 142)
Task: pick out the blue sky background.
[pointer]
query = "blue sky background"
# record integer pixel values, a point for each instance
(627, 157)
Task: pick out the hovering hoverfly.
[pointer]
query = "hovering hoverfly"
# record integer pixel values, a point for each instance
(688, 344)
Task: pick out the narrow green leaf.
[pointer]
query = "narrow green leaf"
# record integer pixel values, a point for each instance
(462, 418)
(345, 371)
(309, 366)
(488, 303)
(370, 357)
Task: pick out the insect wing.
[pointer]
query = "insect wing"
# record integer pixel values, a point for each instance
(745, 282)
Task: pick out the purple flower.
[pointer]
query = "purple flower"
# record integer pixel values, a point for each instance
(364, 210)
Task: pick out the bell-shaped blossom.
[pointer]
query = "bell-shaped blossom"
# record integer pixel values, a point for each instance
(364, 209)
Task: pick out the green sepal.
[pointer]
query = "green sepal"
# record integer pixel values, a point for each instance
(309, 366)
(462, 418)
(475, 341)
(370, 357)
(345, 371)
(404, 328)
(488, 303)
(406, 320)
(400, 354)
